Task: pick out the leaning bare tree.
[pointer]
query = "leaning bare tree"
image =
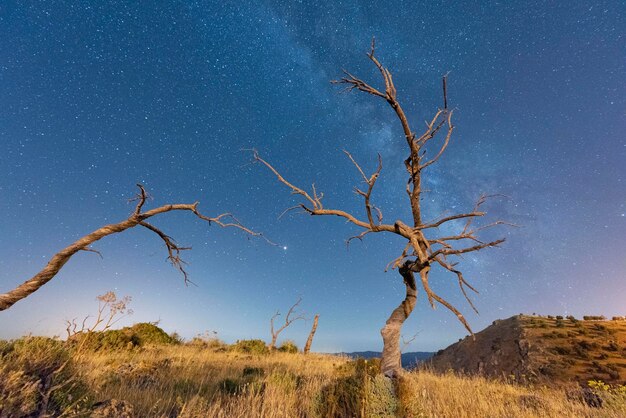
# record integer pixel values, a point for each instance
(139, 217)
(309, 340)
(291, 317)
(425, 245)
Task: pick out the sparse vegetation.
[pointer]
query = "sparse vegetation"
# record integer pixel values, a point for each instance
(594, 318)
(251, 347)
(288, 347)
(206, 377)
(138, 335)
(547, 351)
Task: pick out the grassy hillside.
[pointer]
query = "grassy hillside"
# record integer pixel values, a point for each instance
(208, 378)
(547, 350)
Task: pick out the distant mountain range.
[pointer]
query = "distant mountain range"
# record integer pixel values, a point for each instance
(409, 360)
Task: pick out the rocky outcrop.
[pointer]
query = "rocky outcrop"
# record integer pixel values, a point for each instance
(500, 350)
(546, 349)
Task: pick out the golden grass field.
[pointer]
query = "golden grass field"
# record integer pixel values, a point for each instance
(212, 380)
(194, 382)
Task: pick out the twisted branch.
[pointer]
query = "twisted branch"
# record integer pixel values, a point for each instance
(138, 217)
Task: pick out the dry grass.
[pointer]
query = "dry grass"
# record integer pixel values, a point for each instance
(196, 381)
(450, 395)
(187, 381)
(579, 350)
(190, 381)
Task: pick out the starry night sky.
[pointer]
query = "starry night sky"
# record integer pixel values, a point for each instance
(96, 96)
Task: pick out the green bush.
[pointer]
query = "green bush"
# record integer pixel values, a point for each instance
(594, 317)
(251, 346)
(138, 335)
(288, 347)
(146, 333)
(111, 340)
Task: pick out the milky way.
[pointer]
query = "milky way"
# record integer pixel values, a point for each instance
(98, 96)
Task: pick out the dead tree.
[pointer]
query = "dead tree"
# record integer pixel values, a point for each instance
(309, 341)
(291, 317)
(425, 246)
(139, 217)
(110, 311)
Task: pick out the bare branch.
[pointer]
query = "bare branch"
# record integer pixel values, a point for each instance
(294, 189)
(478, 247)
(173, 250)
(462, 282)
(283, 213)
(83, 244)
(91, 250)
(291, 317)
(444, 83)
(444, 146)
(448, 219)
(371, 181)
(140, 199)
(359, 237)
(397, 262)
(318, 209)
(406, 343)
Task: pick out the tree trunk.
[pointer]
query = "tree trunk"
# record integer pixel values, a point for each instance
(390, 362)
(309, 340)
(272, 345)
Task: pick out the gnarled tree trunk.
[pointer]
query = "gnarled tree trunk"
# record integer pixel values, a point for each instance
(309, 341)
(390, 362)
(425, 244)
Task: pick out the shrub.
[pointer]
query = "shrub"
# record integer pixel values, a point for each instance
(145, 333)
(594, 318)
(346, 397)
(111, 340)
(176, 338)
(563, 351)
(33, 369)
(559, 317)
(138, 335)
(288, 347)
(251, 346)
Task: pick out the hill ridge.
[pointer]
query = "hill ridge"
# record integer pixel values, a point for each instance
(542, 349)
